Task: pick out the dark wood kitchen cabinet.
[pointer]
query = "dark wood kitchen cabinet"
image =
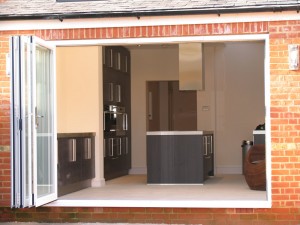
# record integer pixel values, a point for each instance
(117, 92)
(117, 158)
(179, 158)
(116, 76)
(76, 161)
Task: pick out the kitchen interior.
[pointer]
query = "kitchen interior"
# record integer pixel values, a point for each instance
(131, 109)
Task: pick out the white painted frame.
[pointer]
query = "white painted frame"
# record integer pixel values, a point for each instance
(38, 201)
(25, 194)
(190, 204)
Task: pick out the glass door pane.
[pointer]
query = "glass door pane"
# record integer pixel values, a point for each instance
(45, 152)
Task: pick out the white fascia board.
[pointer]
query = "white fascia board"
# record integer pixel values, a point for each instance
(159, 40)
(147, 21)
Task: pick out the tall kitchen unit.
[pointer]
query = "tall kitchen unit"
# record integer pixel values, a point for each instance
(117, 111)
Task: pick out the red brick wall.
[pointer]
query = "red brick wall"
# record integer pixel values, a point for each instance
(285, 132)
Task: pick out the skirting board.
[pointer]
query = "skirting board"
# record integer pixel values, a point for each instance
(138, 170)
(228, 170)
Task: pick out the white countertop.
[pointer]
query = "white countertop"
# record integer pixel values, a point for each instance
(196, 132)
(259, 132)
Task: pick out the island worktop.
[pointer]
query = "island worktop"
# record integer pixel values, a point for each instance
(179, 157)
(196, 132)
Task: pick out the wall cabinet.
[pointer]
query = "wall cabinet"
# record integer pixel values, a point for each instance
(117, 58)
(76, 161)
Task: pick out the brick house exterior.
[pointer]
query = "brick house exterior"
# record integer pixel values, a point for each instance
(285, 127)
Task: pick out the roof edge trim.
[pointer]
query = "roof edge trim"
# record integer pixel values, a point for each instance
(161, 12)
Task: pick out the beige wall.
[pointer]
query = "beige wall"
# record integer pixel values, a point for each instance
(231, 105)
(79, 95)
(233, 101)
(147, 64)
(239, 85)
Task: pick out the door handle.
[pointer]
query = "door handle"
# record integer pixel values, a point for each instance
(37, 117)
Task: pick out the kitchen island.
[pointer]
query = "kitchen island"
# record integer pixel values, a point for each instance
(179, 157)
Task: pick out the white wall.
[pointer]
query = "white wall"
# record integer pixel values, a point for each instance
(79, 96)
(231, 105)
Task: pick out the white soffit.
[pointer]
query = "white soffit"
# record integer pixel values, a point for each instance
(147, 21)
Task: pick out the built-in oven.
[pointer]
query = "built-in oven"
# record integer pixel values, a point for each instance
(115, 131)
(115, 120)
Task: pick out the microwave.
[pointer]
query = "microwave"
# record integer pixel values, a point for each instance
(115, 120)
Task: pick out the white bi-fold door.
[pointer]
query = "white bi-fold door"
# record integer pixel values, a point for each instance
(33, 122)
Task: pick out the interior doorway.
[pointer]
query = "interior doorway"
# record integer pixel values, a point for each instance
(170, 109)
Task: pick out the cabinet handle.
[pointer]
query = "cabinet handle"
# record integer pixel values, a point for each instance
(126, 145)
(205, 144)
(111, 58)
(88, 148)
(120, 146)
(111, 147)
(104, 125)
(118, 93)
(111, 92)
(211, 144)
(72, 150)
(118, 61)
(125, 121)
(126, 62)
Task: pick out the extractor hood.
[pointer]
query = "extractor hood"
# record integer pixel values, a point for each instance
(191, 67)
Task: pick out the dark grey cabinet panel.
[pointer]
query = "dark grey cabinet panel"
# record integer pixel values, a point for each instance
(175, 159)
(188, 159)
(259, 139)
(76, 162)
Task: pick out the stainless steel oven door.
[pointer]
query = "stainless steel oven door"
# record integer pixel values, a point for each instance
(116, 121)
